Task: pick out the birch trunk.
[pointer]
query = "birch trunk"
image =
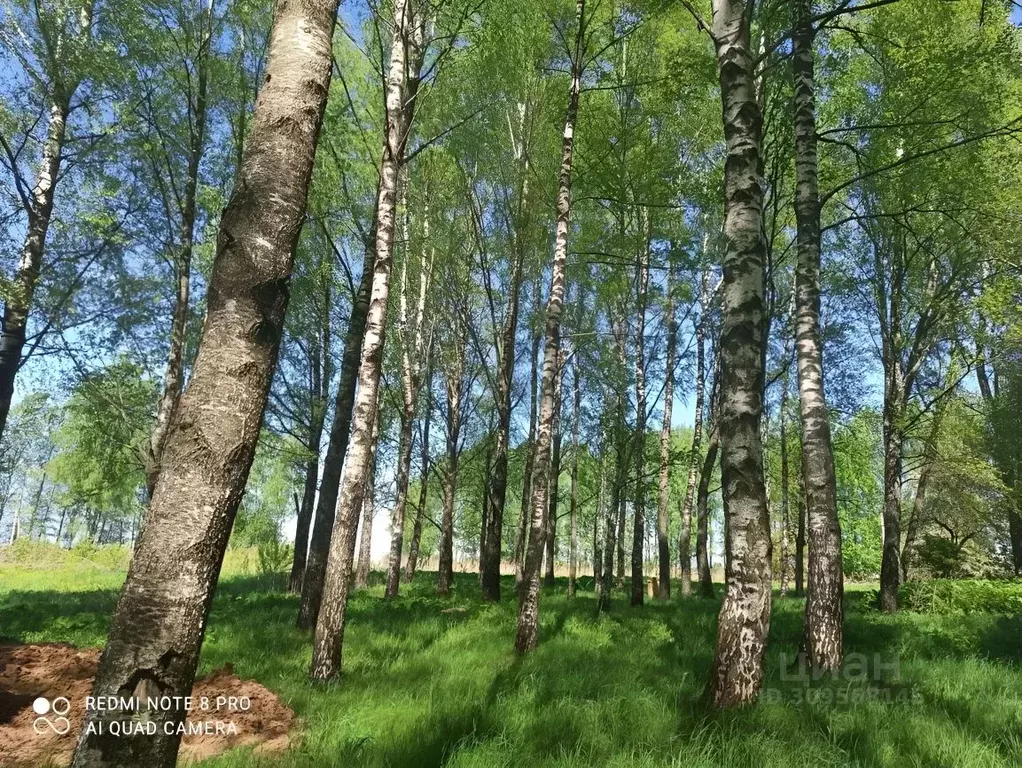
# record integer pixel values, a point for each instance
(824, 612)
(576, 411)
(453, 386)
(527, 635)
(530, 453)
(744, 619)
(368, 513)
(890, 565)
(413, 547)
(173, 380)
(639, 503)
(412, 342)
(684, 543)
(663, 490)
(703, 517)
(496, 485)
(18, 300)
(554, 479)
(402, 86)
(160, 618)
(337, 448)
(319, 393)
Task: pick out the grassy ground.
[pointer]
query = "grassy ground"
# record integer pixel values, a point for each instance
(432, 682)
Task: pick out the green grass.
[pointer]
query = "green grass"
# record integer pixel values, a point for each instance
(431, 682)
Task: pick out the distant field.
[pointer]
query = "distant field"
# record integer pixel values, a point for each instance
(434, 682)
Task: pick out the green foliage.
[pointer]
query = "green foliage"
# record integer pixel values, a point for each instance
(946, 596)
(102, 440)
(858, 467)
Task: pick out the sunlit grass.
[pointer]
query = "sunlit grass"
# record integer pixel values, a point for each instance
(435, 682)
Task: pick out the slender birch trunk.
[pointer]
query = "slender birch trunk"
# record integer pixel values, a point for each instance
(824, 611)
(173, 380)
(337, 448)
(368, 513)
(454, 388)
(554, 479)
(413, 547)
(530, 453)
(576, 412)
(744, 619)
(527, 635)
(663, 490)
(321, 364)
(695, 459)
(496, 485)
(18, 300)
(160, 618)
(703, 516)
(402, 86)
(413, 344)
(639, 503)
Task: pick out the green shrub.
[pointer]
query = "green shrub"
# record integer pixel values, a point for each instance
(963, 596)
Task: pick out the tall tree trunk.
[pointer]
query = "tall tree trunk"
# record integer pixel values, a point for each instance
(413, 547)
(412, 349)
(663, 490)
(639, 503)
(824, 612)
(173, 380)
(890, 565)
(782, 426)
(527, 635)
(800, 539)
(496, 486)
(530, 454)
(160, 619)
(337, 448)
(576, 412)
(317, 416)
(402, 86)
(368, 513)
(703, 516)
(744, 620)
(684, 543)
(554, 480)
(453, 386)
(18, 297)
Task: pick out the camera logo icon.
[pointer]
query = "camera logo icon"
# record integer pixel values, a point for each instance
(59, 707)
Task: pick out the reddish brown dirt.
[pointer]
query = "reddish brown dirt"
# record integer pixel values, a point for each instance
(30, 671)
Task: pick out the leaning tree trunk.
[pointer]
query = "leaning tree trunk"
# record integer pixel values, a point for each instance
(527, 634)
(824, 611)
(333, 463)
(663, 520)
(317, 416)
(160, 619)
(173, 380)
(18, 298)
(413, 546)
(402, 85)
(744, 620)
(368, 513)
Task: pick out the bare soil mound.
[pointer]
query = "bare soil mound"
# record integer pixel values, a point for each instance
(28, 672)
